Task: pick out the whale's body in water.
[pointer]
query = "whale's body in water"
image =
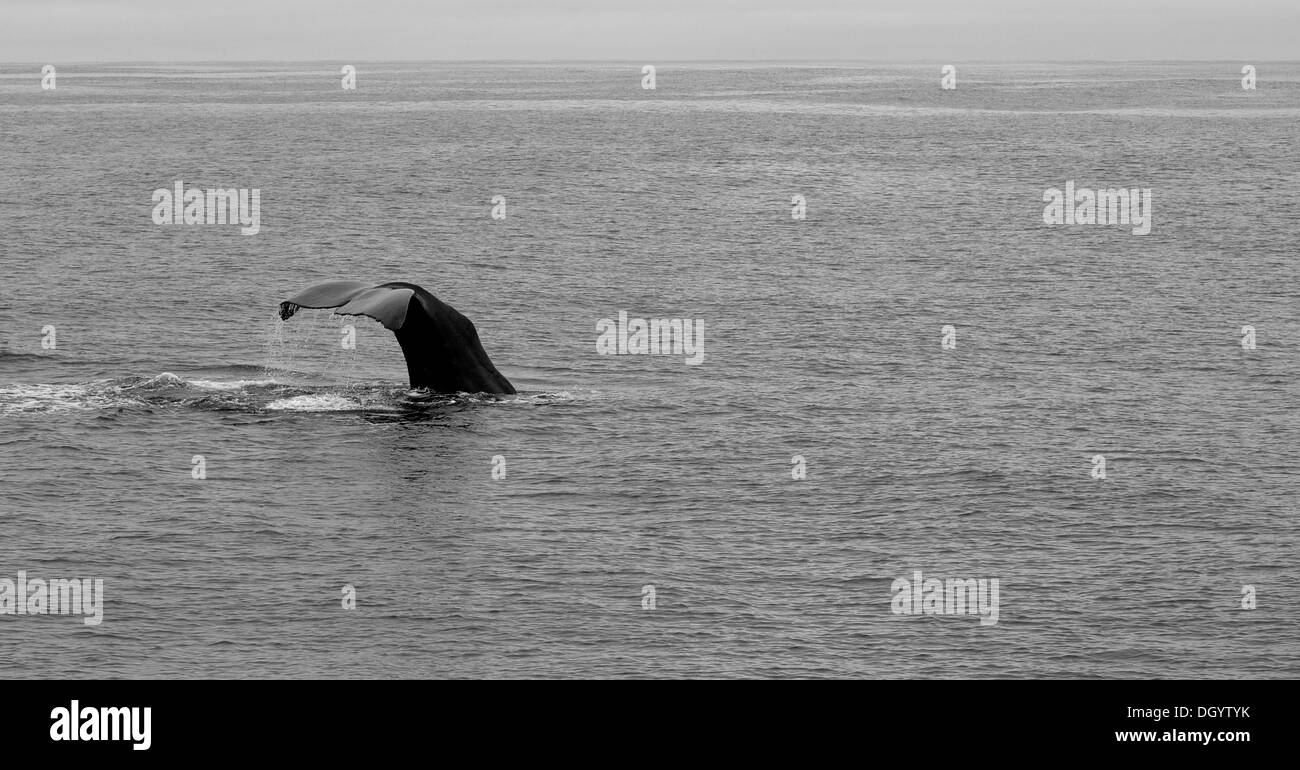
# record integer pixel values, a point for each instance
(441, 346)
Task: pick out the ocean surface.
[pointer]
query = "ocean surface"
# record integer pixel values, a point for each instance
(823, 340)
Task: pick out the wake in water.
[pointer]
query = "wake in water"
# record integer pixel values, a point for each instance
(275, 391)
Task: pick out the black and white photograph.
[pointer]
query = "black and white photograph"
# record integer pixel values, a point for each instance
(707, 340)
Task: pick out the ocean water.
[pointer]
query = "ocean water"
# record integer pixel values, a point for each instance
(823, 340)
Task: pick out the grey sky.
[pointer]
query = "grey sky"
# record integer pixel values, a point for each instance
(659, 30)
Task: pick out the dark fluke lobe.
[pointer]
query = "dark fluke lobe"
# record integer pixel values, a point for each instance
(441, 346)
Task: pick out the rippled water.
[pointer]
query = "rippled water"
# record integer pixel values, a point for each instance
(822, 340)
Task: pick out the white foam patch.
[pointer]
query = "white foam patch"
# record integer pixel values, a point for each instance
(541, 398)
(315, 403)
(229, 385)
(19, 399)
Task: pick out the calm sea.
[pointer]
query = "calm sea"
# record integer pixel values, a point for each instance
(823, 350)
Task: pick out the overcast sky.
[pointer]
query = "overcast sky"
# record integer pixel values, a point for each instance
(654, 30)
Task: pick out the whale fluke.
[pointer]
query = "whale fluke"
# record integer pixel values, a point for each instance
(441, 346)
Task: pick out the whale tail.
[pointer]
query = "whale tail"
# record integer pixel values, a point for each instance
(441, 346)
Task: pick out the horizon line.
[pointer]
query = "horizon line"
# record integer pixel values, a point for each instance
(651, 61)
